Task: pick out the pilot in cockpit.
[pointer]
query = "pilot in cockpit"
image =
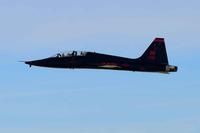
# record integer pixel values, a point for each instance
(74, 53)
(70, 54)
(58, 55)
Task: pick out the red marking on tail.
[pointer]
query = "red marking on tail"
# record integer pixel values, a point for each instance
(152, 54)
(159, 40)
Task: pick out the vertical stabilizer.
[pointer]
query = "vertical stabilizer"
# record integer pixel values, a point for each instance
(156, 53)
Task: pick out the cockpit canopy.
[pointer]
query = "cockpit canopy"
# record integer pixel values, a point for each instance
(70, 54)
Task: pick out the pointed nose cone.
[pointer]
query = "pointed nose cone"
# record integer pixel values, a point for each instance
(42, 63)
(28, 63)
(36, 63)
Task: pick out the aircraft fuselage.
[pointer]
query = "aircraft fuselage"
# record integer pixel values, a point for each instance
(153, 60)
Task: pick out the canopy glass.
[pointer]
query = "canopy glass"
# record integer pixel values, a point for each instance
(70, 54)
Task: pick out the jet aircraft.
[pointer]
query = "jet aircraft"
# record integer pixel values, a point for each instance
(154, 59)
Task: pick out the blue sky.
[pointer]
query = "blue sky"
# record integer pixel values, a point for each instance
(86, 101)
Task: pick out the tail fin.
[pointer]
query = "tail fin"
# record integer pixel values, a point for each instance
(156, 53)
